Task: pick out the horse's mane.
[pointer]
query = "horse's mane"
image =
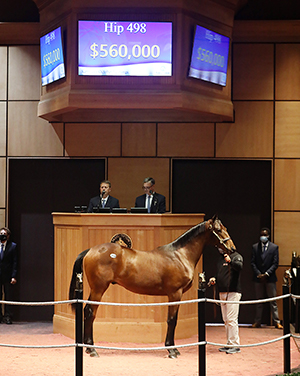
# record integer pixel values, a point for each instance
(188, 236)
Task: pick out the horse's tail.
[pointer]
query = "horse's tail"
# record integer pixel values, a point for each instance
(77, 268)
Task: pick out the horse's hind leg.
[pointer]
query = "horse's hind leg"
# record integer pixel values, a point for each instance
(90, 311)
(89, 317)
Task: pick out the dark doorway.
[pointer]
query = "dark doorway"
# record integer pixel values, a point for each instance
(38, 187)
(240, 193)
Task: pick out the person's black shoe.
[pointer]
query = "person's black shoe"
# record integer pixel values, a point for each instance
(233, 350)
(224, 349)
(7, 320)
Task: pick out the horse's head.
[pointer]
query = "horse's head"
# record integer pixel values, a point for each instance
(220, 236)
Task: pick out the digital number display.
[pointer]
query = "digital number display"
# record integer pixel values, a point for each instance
(52, 58)
(209, 56)
(115, 48)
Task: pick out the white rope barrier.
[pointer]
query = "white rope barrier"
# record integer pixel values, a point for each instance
(38, 346)
(147, 304)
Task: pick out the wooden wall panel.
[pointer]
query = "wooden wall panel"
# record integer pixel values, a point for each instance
(29, 135)
(286, 235)
(93, 140)
(185, 140)
(2, 182)
(3, 73)
(2, 218)
(251, 135)
(253, 71)
(287, 131)
(127, 176)
(139, 140)
(3, 128)
(287, 184)
(287, 71)
(24, 73)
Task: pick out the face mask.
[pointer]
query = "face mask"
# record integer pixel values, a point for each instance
(264, 239)
(3, 237)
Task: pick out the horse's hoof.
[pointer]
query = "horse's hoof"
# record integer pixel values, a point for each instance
(92, 352)
(177, 352)
(172, 354)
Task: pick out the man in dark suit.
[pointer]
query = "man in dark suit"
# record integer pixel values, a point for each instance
(264, 263)
(154, 202)
(104, 200)
(8, 271)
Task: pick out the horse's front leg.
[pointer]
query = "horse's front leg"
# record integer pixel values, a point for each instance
(172, 322)
(89, 317)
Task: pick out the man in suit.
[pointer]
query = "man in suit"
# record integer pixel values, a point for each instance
(154, 202)
(104, 200)
(264, 263)
(8, 271)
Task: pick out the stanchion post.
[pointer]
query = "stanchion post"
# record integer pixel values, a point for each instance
(201, 326)
(78, 326)
(286, 330)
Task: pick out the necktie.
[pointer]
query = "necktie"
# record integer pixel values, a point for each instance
(264, 248)
(1, 251)
(148, 203)
(103, 203)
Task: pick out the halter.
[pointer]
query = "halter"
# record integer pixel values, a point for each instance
(222, 241)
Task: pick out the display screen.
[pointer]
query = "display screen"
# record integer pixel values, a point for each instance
(209, 56)
(52, 57)
(119, 48)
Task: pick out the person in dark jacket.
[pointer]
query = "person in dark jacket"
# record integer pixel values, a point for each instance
(104, 200)
(153, 201)
(264, 262)
(228, 280)
(8, 272)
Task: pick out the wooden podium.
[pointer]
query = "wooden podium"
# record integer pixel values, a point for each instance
(74, 233)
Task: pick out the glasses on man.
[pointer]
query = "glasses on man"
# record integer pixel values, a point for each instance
(147, 188)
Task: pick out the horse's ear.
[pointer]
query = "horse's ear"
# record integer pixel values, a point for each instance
(215, 217)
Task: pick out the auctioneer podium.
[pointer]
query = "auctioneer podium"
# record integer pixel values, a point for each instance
(74, 233)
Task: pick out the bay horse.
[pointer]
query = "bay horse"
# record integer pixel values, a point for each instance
(166, 270)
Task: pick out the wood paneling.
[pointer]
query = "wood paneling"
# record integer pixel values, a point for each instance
(266, 31)
(287, 131)
(3, 128)
(2, 183)
(3, 72)
(23, 74)
(287, 184)
(19, 33)
(29, 135)
(286, 235)
(2, 218)
(253, 71)
(251, 135)
(75, 232)
(139, 139)
(287, 72)
(185, 140)
(127, 176)
(93, 139)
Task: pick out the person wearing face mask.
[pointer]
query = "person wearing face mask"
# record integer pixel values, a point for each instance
(264, 262)
(228, 280)
(8, 272)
